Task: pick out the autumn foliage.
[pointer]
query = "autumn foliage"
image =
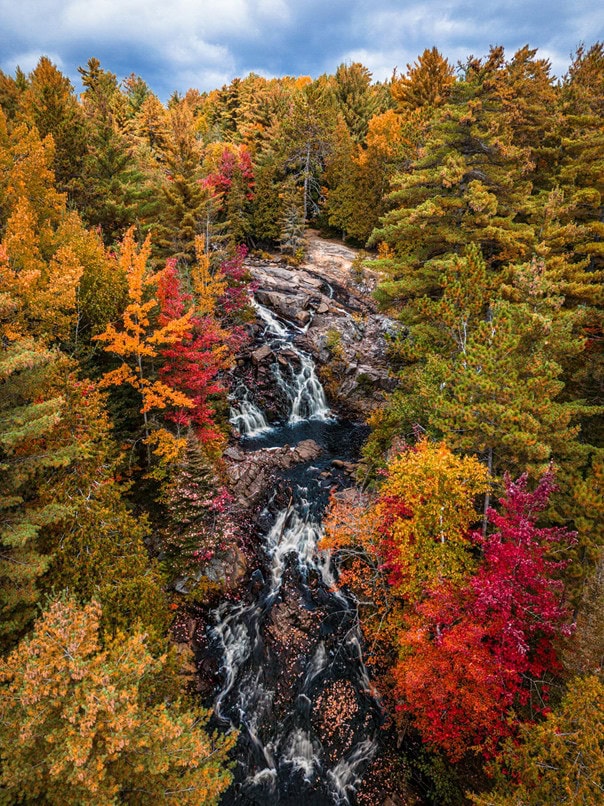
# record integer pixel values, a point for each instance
(125, 224)
(471, 619)
(82, 723)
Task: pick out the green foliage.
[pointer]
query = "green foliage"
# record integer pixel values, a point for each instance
(267, 205)
(357, 100)
(32, 451)
(470, 184)
(427, 507)
(488, 374)
(50, 104)
(112, 565)
(440, 782)
(291, 234)
(198, 530)
(333, 342)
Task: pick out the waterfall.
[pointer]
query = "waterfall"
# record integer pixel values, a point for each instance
(301, 386)
(274, 673)
(238, 634)
(273, 325)
(306, 393)
(246, 417)
(345, 775)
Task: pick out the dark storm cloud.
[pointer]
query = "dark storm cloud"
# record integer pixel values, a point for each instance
(204, 43)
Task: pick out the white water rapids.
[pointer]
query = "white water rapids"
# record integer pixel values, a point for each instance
(284, 761)
(299, 383)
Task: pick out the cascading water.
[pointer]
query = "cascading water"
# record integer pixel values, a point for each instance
(304, 390)
(245, 416)
(289, 652)
(300, 384)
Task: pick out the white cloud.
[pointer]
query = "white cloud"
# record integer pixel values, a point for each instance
(205, 43)
(152, 23)
(27, 60)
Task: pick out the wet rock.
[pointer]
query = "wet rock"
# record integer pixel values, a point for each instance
(228, 568)
(302, 318)
(290, 355)
(347, 467)
(313, 282)
(257, 580)
(307, 450)
(298, 295)
(251, 478)
(283, 274)
(261, 354)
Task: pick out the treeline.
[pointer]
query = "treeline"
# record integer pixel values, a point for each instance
(477, 558)
(123, 297)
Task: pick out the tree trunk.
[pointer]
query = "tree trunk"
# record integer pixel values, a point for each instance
(487, 497)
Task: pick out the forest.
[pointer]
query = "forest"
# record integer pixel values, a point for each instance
(462, 539)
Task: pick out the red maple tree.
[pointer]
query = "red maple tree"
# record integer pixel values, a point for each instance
(476, 658)
(193, 364)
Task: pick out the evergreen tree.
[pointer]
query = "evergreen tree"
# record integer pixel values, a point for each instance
(267, 202)
(559, 760)
(470, 185)
(114, 194)
(10, 92)
(32, 450)
(187, 205)
(49, 103)
(199, 530)
(427, 83)
(355, 98)
(292, 224)
(305, 141)
(342, 178)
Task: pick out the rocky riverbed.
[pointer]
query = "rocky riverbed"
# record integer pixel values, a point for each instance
(280, 658)
(328, 304)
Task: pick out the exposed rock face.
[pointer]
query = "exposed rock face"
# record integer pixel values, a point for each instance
(261, 354)
(250, 473)
(336, 321)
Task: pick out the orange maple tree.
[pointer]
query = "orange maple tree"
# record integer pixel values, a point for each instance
(139, 338)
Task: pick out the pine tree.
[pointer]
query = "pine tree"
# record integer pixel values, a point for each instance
(187, 206)
(291, 235)
(558, 760)
(342, 179)
(32, 450)
(305, 141)
(499, 396)
(470, 184)
(114, 193)
(199, 530)
(49, 103)
(427, 83)
(267, 202)
(355, 98)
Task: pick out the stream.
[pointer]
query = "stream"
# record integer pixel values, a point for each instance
(292, 679)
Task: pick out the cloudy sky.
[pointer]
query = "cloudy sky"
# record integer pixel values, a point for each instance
(177, 44)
